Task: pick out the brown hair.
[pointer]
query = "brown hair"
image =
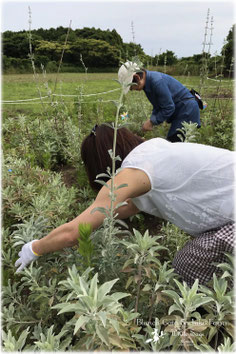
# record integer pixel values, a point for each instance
(94, 150)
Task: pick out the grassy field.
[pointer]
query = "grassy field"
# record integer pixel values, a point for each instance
(90, 95)
(26, 86)
(22, 87)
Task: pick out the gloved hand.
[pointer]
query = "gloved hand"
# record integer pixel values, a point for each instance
(26, 256)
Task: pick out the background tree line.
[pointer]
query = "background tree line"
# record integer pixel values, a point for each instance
(100, 50)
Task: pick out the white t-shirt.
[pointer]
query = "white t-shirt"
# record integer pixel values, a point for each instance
(192, 185)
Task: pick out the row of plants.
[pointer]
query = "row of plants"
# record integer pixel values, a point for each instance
(56, 305)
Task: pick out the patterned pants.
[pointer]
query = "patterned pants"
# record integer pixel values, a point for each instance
(195, 260)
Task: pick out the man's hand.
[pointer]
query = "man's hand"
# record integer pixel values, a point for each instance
(27, 255)
(147, 126)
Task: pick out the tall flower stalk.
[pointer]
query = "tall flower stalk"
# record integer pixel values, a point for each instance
(113, 153)
(111, 225)
(119, 104)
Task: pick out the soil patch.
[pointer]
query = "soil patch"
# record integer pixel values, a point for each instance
(69, 175)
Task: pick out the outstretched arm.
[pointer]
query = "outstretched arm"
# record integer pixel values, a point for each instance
(67, 234)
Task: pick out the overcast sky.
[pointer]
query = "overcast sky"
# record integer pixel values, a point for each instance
(157, 25)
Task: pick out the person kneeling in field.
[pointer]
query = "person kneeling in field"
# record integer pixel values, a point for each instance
(188, 184)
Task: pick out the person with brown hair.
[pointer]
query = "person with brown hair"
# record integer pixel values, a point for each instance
(100, 141)
(190, 185)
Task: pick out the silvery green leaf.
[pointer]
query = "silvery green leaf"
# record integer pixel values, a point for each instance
(118, 205)
(93, 291)
(83, 286)
(129, 281)
(196, 315)
(122, 186)
(172, 294)
(193, 289)
(65, 307)
(117, 158)
(173, 308)
(118, 170)
(201, 301)
(102, 183)
(115, 215)
(147, 287)
(127, 263)
(102, 334)
(110, 152)
(118, 296)
(122, 223)
(226, 274)
(101, 209)
(115, 325)
(11, 344)
(88, 301)
(109, 170)
(80, 322)
(131, 84)
(103, 317)
(181, 287)
(106, 288)
(102, 175)
(18, 243)
(111, 125)
(180, 136)
(136, 258)
(22, 339)
(158, 248)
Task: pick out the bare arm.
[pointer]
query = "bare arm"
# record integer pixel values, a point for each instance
(128, 210)
(67, 234)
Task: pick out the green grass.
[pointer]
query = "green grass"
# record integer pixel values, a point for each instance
(99, 108)
(24, 86)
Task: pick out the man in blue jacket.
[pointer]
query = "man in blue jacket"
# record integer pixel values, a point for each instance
(172, 102)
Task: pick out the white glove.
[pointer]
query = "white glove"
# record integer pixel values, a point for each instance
(26, 256)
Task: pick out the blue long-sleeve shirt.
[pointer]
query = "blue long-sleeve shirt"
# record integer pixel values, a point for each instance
(164, 92)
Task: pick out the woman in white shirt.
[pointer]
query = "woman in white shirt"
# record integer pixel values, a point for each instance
(190, 185)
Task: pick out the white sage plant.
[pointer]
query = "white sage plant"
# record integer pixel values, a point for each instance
(189, 132)
(96, 311)
(110, 229)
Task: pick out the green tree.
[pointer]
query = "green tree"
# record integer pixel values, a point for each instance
(95, 53)
(131, 50)
(99, 48)
(111, 37)
(169, 56)
(15, 45)
(50, 49)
